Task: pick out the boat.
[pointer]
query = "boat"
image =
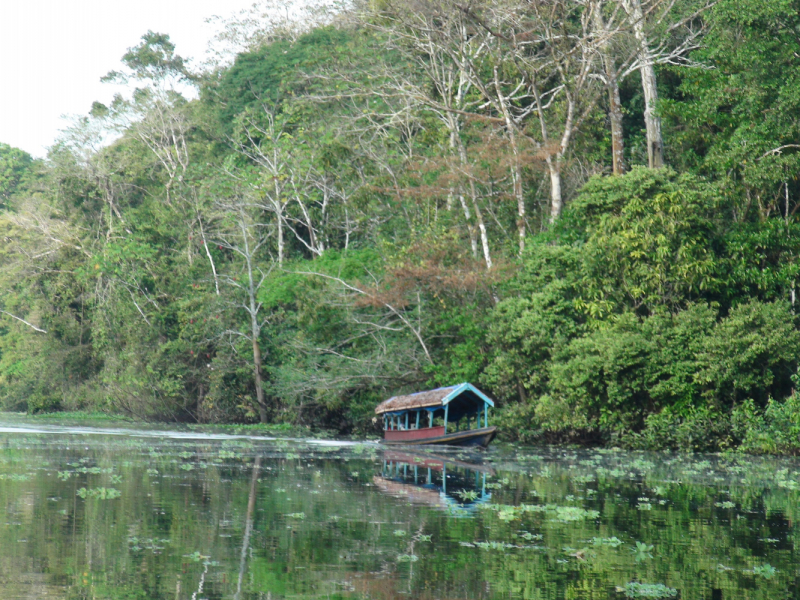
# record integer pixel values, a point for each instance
(455, 416)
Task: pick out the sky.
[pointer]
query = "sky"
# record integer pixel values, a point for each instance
(54, 52)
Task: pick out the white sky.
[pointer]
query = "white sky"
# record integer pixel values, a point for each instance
(54, 52)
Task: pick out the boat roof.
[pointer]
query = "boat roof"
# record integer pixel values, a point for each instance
(437, 398)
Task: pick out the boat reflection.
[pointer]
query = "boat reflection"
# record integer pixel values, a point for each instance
(434, 480)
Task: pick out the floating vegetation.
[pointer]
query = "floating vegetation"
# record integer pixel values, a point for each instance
(154, 545)
(467, 495)
(14, 477)
(558, 513)
(613, 542)
(99, 493)
(643, 551)
(407, 558)
(488, 545)
(648, 590)
(574, 513)
(766, 571)
(196, 556)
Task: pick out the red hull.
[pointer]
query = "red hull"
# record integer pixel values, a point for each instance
(411, 435)
(435, 435)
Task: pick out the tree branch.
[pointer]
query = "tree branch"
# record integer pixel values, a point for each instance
(31, 325)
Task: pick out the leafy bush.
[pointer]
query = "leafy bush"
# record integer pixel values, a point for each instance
(775, 430)
(697, 430)
(752, 353)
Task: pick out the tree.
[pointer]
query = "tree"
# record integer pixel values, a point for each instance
(240, 233)
(14, 165)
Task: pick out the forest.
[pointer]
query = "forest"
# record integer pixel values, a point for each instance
(587, 208)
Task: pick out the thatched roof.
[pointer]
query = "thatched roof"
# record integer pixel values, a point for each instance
(430, 399)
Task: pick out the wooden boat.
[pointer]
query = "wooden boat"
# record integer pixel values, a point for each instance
(448, 413)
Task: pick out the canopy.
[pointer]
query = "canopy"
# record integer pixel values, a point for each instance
(433, 399)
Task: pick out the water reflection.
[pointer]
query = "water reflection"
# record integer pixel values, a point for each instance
(157, 517)
(433, 480)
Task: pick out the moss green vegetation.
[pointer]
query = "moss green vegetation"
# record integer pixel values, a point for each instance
(354, 212)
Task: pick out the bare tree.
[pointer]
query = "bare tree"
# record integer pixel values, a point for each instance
(430, 39)
(241, 234)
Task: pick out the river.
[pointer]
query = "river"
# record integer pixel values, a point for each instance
(131, 513)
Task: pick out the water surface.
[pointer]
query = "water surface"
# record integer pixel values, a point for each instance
(133, 513)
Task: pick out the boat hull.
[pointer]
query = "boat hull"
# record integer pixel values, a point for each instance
(474, 437)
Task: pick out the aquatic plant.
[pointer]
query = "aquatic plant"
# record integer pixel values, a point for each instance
(14, 477)
(643, 551)
(493, 545)
(766, 571)
(407, 558)
(613, 542)
(467, 495)
(99, 493)
(648, 590)
(574, 513)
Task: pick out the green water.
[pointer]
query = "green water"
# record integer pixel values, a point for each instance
(152, 515)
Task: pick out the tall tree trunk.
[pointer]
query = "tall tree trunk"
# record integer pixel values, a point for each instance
(612, 86)
(255, 328)
(615, 117)
(457, 146)
(655, 144)
(554, 167)
(262, 405)
(516, 167)
(487, 257)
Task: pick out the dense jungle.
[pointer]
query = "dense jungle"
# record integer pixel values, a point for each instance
(585, 207)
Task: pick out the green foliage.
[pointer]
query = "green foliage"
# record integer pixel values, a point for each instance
(271, 74)
(772, 430)
(539, 318)
(657, 249)
(14, 165)
(328, 206)
(752, 353)
(737, 119)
